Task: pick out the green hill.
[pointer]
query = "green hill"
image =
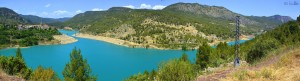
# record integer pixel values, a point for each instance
(10, 17)
(37, 20)
(177, 25)
(216, 63)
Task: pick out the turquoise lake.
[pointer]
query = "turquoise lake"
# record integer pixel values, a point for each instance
(108, 61)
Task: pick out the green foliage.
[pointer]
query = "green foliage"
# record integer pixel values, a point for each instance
(184, 57)
(223, 50)
(19, 54)
(152, 74)
(202, 56)
(78, 69)
(108, 21)
(15, 65)
(44, 74)
(298, 18)
(173, 70)
(9, 17)
(260, 49)
(11, 35)
(284, 35)
(184, 47)
(176, 70)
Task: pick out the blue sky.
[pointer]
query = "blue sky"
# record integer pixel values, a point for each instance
(69, 8)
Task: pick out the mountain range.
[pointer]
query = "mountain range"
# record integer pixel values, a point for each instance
(9, 16)
(175, 26)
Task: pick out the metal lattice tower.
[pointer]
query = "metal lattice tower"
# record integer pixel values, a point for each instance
(237, 42)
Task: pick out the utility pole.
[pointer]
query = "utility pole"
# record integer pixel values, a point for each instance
(237, 42)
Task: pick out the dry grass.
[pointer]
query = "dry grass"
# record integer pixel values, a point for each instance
(286, 69)
(5, 77)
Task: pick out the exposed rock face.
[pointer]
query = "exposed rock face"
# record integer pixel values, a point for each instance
(283, 19)
(213, 11)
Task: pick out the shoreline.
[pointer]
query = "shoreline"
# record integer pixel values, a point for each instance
(117, 41)
(65, 39)
(133, 44)
(58, 39)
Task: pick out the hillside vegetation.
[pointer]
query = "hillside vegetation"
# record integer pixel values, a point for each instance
(285, 67)
(12, 36)
(286, 35)
(9, 17)
(176, 26)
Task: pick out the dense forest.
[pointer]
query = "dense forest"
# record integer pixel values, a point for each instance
(12, 35)
(252, 51)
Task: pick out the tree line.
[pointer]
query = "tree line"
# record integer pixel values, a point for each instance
(14, 35)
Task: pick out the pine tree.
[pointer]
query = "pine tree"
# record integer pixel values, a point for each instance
(152, 74)
(202, 56)
(78, 69)
(19, 54)
(184, 57)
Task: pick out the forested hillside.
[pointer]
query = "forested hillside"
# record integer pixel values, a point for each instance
(12, 36)
(37, 20)
(286, 35)
(9, 17)
(178, 25)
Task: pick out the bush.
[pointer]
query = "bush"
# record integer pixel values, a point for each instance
(261, 48)
(15, 65)
(44, 74)
(176, 70)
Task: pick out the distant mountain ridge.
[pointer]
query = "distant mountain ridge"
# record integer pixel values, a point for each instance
(283, 19)
(221, 12)
(8, 16)
(36, 19)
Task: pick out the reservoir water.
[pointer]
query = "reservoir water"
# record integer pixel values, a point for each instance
(108, 61)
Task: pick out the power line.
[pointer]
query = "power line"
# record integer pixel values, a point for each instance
(237, 42)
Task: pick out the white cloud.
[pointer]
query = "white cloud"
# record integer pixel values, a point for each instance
(158, 7)
(44, 13)
(129, 6)
(59, 12)
(78, 11)
(97, 9)
(145, 6)
(55, 14)
(47, 5)
(32, 13)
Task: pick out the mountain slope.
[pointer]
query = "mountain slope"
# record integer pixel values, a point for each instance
(223, 13)
(8, 16)
(271, 21)
(37, 20)
(176, 25)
